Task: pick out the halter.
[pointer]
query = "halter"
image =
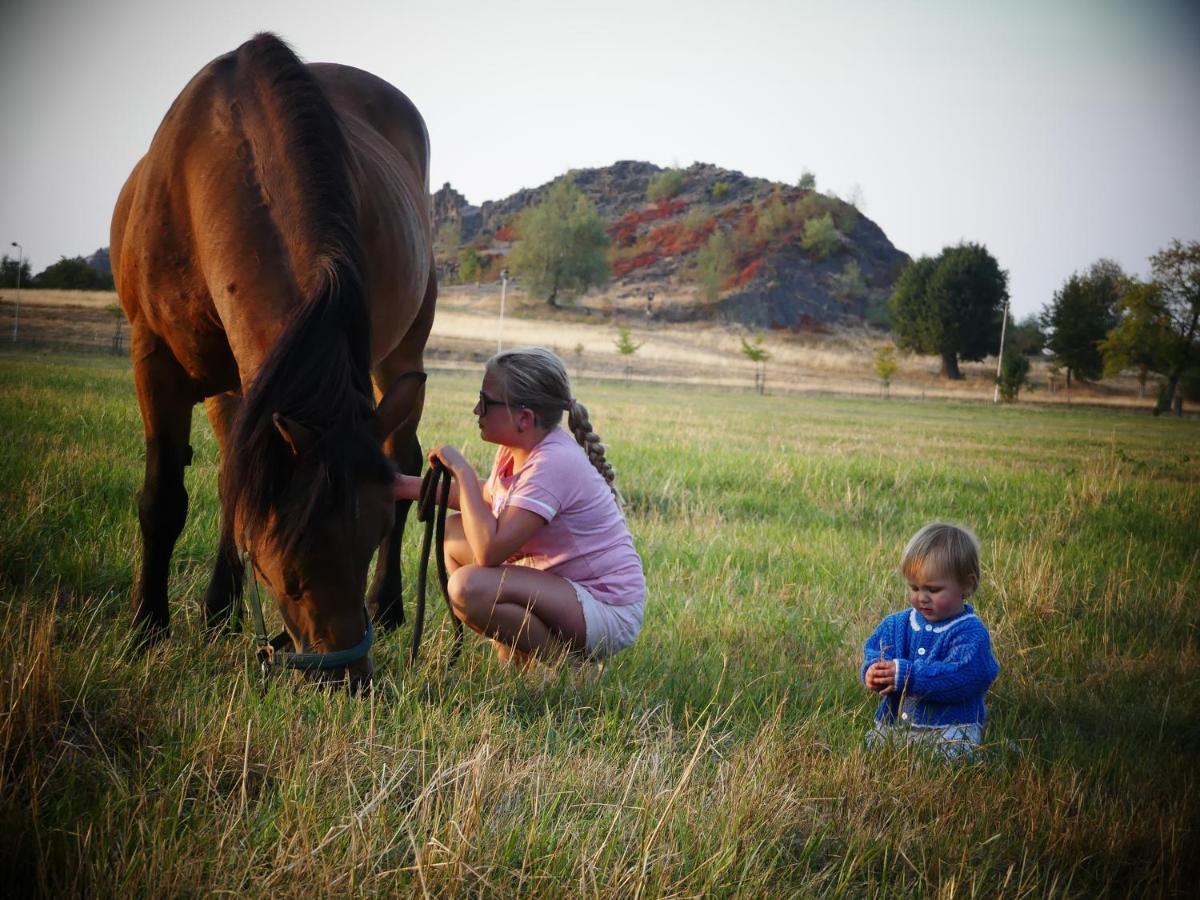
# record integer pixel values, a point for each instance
(272, 652)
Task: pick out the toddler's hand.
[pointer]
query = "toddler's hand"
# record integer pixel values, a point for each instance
(881, 676)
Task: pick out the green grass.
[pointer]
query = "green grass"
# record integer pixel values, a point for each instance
(721, 754)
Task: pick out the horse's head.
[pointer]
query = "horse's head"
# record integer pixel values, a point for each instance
(333, 506)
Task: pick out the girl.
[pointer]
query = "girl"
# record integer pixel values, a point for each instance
(540, 555)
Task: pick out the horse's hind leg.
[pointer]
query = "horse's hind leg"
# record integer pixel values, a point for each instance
(165, 395)
(225, 587)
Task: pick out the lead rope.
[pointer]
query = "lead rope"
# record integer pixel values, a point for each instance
(431, 509)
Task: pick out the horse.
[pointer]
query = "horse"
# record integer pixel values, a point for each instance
(273, 254)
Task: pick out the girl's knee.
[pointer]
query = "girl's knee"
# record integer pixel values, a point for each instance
(466, 585)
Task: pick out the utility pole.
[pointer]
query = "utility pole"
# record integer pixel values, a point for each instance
(1000, 355)
(503, 292)
(20, 265)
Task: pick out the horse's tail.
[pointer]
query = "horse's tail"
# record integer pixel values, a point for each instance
(318, 372)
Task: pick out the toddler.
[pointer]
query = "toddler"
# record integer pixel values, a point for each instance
(933, 663)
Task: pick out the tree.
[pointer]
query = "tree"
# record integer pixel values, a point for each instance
(664, 185)
(563, 245)
(714, 263)
(885, 366)
(1176, 270)
(1141, 339)
(1014, 375)
(449, 236)
(469, 265)
(626, 347)
(757, 354)
(73, 274)
(807, 182)
(850, 285)
(8, 272)
(950, 305)
(1025, 337)
(1080, 316)
(821, 236)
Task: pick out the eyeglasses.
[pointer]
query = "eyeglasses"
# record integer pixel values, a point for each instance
(485, 403)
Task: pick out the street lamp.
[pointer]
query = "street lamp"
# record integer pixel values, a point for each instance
(20, 265)
(503, 291)
(1000, 355)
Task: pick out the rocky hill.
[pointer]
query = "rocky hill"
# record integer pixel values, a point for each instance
(773, 281)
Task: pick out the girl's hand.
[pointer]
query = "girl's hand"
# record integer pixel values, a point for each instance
(881, 676)
(451, 458)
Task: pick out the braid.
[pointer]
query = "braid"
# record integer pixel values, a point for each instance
(581, 426)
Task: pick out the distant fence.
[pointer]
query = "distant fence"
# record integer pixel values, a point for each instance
(88, 328)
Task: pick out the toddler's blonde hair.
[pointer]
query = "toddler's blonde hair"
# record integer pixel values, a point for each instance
(945, 547)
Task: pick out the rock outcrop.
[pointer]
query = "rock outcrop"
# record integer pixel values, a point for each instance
(778, 278)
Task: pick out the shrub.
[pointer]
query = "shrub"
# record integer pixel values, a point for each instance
(807, 182)
(720, 189)
(821, 236)
(849, 284)
(714, 263)
(469, 265)
(665, 185)
(1014, 375)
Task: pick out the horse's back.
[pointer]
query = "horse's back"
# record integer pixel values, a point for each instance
(209, 255)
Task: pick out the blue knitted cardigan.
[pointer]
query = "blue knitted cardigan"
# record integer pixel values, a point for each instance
(943, 669)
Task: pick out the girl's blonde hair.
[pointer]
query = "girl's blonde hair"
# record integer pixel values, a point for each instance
(536, 378)
(945, 547)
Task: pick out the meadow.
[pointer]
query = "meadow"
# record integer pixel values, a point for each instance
(722, 754)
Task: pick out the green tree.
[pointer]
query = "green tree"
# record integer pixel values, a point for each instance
(449, 236)
(1176, 270)
(1014, 375)
(850, 284)
(1080, 316)
(807, 182)
(950, 305)
(8, 272)
(1025, 337)
(885, 366)
(821, 236)
(626, 347)
(469, 265)
(757, 354)
(73, 274)
(664, 185)
(563, 246)
(1141, 339)
(714, 263)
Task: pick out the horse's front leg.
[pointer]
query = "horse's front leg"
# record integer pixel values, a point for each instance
(229, 573)
(165, 395)
(385, 601)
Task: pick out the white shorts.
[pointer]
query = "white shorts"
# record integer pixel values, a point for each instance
(608, 629)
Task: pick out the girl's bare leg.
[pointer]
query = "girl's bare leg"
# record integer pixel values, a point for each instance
(530, 611)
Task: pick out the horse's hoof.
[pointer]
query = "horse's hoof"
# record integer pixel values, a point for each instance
(146, 636)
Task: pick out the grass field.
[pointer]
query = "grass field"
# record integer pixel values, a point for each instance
(721, 754)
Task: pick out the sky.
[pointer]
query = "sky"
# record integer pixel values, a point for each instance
(1055, 132)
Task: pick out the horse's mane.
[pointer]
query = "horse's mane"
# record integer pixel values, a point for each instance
(318, 372)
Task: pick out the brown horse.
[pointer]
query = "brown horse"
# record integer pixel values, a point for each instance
(273, 255)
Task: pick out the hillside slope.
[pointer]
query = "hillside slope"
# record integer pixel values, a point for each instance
(774, 282)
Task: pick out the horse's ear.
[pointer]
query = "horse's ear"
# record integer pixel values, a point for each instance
(298, 437)
(400, 407)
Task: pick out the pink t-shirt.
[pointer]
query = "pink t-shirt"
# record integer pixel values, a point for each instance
(585, 538)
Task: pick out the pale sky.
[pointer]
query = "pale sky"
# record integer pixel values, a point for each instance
(1055, 133)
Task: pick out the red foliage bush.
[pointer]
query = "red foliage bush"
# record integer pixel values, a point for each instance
(506, 232)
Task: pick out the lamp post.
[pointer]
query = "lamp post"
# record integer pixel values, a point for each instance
(1000, 355)
(503, 292)
(20, 265)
